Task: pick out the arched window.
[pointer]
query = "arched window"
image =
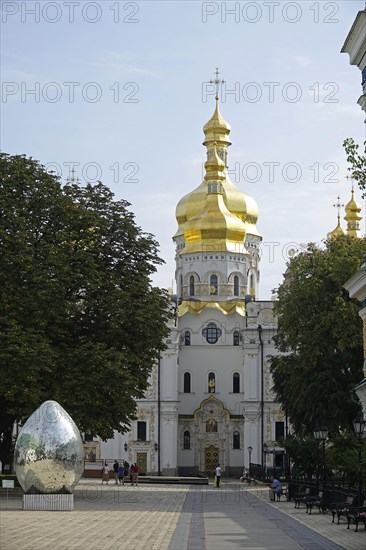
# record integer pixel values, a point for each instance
(236, 382)
(191, 285)
(251, 284)
(236, 285)
(236, 440)
(186, 440)
(187, 338)
(236, 338)
(187, 382)
(214, 284)
(181, 284)
(211, 333)
(211, 382)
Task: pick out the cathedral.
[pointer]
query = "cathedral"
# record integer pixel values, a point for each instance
(209, 398)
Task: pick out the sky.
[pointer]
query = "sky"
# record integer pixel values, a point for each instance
(119, 92)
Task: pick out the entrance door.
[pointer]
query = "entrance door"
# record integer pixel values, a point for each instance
(211, 460)
(141, 459)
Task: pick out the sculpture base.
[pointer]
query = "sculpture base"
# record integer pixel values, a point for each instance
(48, 502)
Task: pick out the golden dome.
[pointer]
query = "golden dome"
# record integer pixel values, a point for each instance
(217, 129)
(241, 205)
(353, 217)
(214, 228)
(353, 206)
(337, 231)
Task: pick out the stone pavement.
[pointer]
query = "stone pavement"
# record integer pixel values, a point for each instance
(172, 517)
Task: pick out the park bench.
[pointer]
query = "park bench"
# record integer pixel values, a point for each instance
(357, 515)
(301, 497)
(319, 501)
(342, 508)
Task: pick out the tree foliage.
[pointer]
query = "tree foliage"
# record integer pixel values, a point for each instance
(304, 454)
(320, 337)
(79, 319)
(357, 162)
(343, 458)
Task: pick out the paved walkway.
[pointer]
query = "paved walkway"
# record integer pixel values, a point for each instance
(172, 517)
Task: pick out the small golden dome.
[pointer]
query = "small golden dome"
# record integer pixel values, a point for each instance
(217, 129)
(353, 217)
(353, 206)
(337, 231)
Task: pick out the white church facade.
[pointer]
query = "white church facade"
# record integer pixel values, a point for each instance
(209, 399)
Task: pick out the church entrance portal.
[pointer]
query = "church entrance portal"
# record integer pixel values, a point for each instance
(141, 459)
(211, 460)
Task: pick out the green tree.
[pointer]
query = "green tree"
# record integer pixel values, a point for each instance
(320, 337)
(343, 458)
(357, 162)
(80, 321)
(303, 453)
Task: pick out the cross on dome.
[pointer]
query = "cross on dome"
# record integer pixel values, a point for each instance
(217, 82)
(338, 205)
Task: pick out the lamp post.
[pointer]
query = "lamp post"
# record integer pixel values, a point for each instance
(264, 461)
(321, 434)
(250, 448)
(359, 425)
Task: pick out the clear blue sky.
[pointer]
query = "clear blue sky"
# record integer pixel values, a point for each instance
(138, 103)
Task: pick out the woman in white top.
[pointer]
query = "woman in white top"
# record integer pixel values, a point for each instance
(105, 473)
(218, 476)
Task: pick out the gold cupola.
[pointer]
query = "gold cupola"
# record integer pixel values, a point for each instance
(239, 204)
(337, 231)
(217, 131)
(215, 227)
(353, 217)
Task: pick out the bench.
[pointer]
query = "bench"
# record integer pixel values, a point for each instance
(319, 501)
(342, 508)
(301, 497)
(357, 515)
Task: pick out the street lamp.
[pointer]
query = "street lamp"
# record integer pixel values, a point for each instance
(359, 425)
(264, 459)
(250, 448)
(321, 434)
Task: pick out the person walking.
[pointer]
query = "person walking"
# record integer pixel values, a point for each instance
(218, 476)
(135, 474)
(105, 473)
(121, 475)
(115, 469)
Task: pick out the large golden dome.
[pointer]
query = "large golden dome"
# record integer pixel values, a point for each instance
(239, 204)
(214, 227)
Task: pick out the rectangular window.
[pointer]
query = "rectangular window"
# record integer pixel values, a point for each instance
(236, 440)
(279, 431)
(141, 431)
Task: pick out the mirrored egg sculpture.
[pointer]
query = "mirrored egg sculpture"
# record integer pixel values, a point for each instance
(49, 453)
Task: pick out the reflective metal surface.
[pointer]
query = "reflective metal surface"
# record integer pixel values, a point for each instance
(49, 454)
